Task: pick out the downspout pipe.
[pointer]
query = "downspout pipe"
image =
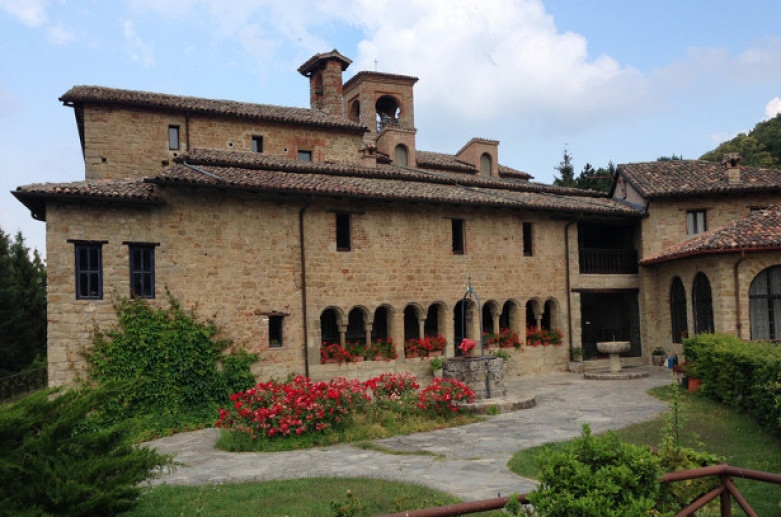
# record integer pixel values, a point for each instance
(735, 272)
(304, 314)
(568, 285)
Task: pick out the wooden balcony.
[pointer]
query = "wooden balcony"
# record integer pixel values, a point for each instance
(597, 261)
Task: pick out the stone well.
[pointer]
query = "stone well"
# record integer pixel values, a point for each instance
(471, 371)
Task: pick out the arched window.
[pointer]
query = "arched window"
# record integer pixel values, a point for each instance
(356, 326)
(486, 164)
(702, 302)
(765, 304)
(411, 323)
(678, 314)
(402, 155)
(354, 113)
(550, 315)
(382, 322)
(433, 315)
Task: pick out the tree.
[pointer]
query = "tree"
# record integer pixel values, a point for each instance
(669, 158)
(567, 171)
(22, 304)
(596, 179)
(761, 147)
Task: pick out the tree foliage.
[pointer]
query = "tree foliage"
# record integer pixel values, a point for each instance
(566, 170)
(761, 147)
(589, 178)
(51, 463)
(22, 305)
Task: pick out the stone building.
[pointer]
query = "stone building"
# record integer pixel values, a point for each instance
(292, 227)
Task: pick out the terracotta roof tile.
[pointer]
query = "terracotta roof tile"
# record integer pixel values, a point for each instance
(687, 177)
(130, 191)
(431, 160)
(282, 114)
(260, 173)
(761, 230)
(507, 172)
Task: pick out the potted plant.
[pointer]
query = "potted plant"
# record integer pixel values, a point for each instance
(694, 378)
(657, 356)
(436, 366)
(504, 355)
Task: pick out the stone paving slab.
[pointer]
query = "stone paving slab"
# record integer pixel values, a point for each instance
(473, 461)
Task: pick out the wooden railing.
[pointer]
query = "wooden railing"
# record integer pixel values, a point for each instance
(24, 382)
(725, 492)
(596, 261)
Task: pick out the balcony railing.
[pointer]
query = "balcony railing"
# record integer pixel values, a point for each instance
(596, 261)
(726, 492)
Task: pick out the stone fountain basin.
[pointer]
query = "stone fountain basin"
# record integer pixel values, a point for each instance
(614, 347)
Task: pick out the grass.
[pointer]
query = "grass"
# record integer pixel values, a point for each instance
(707, 426)
(362, 426)
(294, 498)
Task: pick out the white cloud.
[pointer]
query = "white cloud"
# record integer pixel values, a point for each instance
(773, 107)
(136, 48)
(60, 35)
(30, 12)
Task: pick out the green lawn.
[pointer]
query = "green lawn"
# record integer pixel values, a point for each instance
(294, 498)
(710, 427)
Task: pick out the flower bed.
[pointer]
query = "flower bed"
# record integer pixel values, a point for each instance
(542, 336)
(378, 350)
(429, 345)
(271, 410)
(504, 339)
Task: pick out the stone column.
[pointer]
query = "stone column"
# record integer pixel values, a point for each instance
(342, 335)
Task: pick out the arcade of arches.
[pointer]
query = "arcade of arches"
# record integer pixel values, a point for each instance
(454, 322)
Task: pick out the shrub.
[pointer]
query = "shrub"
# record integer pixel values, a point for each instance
(300, 406)
(740, 374)
(164, 363)
(597, 476)
(52, 463)
(443, 394)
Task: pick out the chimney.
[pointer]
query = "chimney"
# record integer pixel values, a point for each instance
(731, 163)
(325, 81)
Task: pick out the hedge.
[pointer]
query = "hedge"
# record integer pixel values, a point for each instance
(739, 374)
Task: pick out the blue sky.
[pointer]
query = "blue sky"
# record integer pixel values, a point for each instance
(625, 81)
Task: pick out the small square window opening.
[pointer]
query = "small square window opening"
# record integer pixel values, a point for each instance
(257, 144)
(275, 331)
(528, 248)
(304, 156)
(343, 232)
(458, 236)
(695, 222)
(173, 138)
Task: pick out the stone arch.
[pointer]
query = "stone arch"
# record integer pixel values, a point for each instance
(702, 303)
(678, 315)
(764, 297)
(533, 312)
(550, 314)
(510, 318)
(388, 111)
(435, 319)
(332, 326)
(465, 325)
(382, 324)
(486, 164)
(491, 317)
(413, 317)
(358, 328)
(401, 155)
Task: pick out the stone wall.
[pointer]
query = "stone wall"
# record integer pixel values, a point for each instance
(235, 259)
(132, 142)
(720, 269)
(665, 225)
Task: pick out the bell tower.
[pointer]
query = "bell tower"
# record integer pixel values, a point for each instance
(384, 103)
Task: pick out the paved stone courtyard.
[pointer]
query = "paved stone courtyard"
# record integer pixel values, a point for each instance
(475, 456)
